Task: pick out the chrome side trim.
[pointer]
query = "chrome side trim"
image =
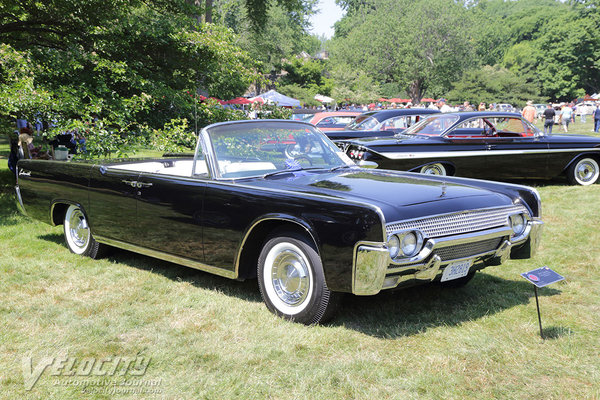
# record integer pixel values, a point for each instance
(19, 199)
(166, 257)
(454, 154)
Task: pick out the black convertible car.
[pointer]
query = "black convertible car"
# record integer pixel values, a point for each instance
(278, 201)
(489, 145)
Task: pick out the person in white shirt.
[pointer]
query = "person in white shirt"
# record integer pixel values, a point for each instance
(443, 107)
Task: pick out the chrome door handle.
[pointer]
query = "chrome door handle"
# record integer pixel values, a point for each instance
(136, 184)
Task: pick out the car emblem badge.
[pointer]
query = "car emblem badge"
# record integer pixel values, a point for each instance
(444, 187)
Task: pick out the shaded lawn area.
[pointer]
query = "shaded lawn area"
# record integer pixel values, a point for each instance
(209, 337)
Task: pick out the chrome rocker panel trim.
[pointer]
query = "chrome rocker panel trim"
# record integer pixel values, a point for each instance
(166, 257)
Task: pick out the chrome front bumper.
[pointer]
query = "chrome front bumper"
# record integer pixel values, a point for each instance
(374, 270)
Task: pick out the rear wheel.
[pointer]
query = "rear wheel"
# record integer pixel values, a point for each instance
(78, 234)
(291, 280)
(434, 169)
(584, 172)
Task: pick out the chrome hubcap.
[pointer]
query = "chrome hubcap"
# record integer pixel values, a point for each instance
(586, 171)
(435, 169)
(290, 277)
(78, 229)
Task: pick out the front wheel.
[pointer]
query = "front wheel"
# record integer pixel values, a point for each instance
(291, 280)
(583, 172)
(78, 234)
(434, 169)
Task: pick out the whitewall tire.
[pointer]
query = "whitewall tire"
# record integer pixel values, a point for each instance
(291, 280)
(584, 172)
(78, 234)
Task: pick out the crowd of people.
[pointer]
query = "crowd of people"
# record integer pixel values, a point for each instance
(561, 114)
(22, 143)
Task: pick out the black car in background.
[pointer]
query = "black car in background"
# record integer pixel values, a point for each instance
(488, 145)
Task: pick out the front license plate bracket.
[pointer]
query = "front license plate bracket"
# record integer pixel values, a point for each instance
(456, 270)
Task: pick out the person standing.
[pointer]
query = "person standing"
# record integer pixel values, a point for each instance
(565, 116)
(597, 118)
(529, 111)
(443, 107)
(481, 106)
(549, 114)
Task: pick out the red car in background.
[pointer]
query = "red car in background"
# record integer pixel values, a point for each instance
(333, 120)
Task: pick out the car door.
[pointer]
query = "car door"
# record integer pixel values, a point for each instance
(169, 214)
(466, 148)
(516, 150)
(112, 207)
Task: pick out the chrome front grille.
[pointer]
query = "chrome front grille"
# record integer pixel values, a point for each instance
(467, 250)
(458, 223)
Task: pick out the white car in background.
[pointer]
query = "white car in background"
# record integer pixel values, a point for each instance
(505, 107)
(585, 108)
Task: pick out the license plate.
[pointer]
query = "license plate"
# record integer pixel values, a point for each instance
(456, 270)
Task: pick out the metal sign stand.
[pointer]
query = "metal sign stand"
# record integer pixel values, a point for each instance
(539, 278)
(537, 303)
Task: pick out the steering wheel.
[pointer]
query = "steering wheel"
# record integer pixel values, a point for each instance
(489, 131)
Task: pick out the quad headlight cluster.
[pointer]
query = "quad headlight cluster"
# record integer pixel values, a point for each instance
(405, 244)
(518, 224)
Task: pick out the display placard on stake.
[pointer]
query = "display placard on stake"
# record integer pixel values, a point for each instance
(541, 277)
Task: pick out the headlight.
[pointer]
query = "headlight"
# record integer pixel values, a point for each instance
(410, 244)
(405, 244)
(393, 245)
(518, 224)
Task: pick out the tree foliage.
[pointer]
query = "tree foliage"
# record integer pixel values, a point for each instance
(422, 45)
(427, 46)
(493, 84)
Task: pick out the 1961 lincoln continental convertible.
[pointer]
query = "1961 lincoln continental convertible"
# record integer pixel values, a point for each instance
(487, 145)
(278, 201)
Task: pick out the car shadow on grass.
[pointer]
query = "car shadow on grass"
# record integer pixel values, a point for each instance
(390, 314)
(411, 311)
(246, 290)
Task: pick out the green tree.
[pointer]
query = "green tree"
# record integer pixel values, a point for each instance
(102, 57)
(422, 45)
(493, 84)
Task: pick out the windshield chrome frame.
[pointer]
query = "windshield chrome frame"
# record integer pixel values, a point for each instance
(205, 143)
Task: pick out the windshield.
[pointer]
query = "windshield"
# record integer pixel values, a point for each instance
(432, 126)
(257, 148)
(363, 122)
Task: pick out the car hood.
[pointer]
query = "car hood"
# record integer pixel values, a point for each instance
(399, 195)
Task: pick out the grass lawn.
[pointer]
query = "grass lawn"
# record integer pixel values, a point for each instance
(209, 337)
